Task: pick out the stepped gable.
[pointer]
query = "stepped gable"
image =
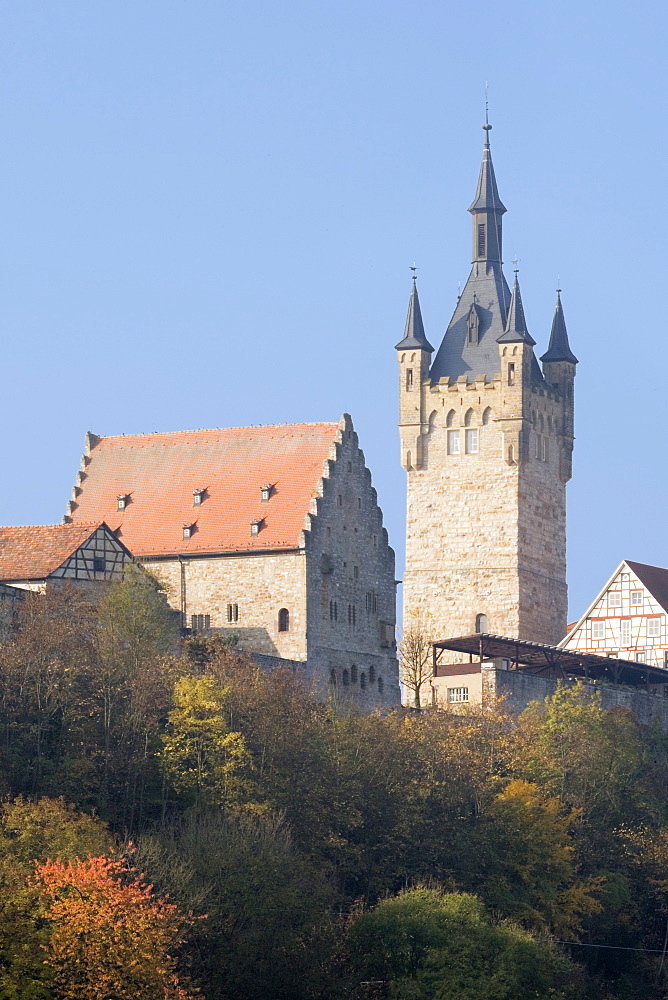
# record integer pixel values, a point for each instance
(158, 475)
(34, 552)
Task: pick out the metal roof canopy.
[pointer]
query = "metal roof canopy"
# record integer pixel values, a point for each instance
(539, 658)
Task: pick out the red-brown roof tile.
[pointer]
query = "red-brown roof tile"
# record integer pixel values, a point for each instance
(34, 552)
(159, 472)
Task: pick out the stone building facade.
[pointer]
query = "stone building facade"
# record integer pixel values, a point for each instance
(486, 441)
(273, 534)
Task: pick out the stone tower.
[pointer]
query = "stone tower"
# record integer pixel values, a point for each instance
(486, 440)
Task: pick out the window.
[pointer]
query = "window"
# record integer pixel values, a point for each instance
(487, 415)
(626, 631)
(511, 374)
(359, 503)
(345, 678)
(352, 615)
(471, 441)
(458, 694)
(371, 602)
(473, 325)
(598, 629)
(665, 658)
(614, 599)
(333, 611)
(187, 531)
(284, 620)
(636, 598)
(380, 685)
(99, 565)
(256, 526)
(122, 501)
(453, 442)
(265, 493)
(481, 240)
(339, 501)
(233, 612)
(198, 622)
(353, 674)
(641, 657)
(450, 419)
(349, 466)
(653, 628)
(356, 572)
(409, 378)
(198, 497)
(537, 446)
(362, 680)
(481, 623)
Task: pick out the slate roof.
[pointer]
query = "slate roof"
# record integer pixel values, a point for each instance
(559, 348)
(159, 473)
(654, 578)
(34, 552)
(414, 335)
(516, 325)
(487, 194)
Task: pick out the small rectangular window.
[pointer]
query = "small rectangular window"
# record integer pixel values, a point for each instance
(653, 628)
(356, 572)
(233, 612)
(198, 622)
(641, 657)
(511, 373)
(626, 632)
(544, 450)
(339, 501)
(636, 598)
(614, 599)
(453, 442)
(409, 378)
(99, 565)
(458, 694)
(472, 441)
(598, 630)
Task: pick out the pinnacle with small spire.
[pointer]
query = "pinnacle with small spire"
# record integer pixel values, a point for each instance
(559, 348)
(487, 194)
(516, 325)
(414, 335)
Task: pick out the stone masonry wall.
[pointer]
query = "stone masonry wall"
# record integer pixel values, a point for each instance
(351, 583)
(259, 584)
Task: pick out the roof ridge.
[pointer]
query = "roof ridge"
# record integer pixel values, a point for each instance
(78, 524)
(207, 430)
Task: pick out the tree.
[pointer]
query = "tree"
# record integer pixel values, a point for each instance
(202, 757)
(432, 945)
(109, 937)
(415, 653)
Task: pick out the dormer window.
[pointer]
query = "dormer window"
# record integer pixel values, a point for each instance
(473, 325)
(122, 500)
(188, 531)
(256, 526)
(198, 497)
(265, 493)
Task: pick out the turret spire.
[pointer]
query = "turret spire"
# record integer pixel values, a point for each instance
(559, 348)
(516, 325)
(414, 335)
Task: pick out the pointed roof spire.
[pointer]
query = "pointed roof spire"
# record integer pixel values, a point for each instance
(516, 325)
(487, 194)
(559, 348)
(414, 335)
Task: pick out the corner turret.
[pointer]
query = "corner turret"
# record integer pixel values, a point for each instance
(559, 364)
(414, 355)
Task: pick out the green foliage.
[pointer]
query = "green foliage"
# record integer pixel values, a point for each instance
(431, 945)
(202, 758)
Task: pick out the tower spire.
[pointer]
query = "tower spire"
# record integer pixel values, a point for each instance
(414, 335)
(559, 348)
(516, 325)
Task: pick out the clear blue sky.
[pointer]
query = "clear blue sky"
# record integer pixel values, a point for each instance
(208, 211)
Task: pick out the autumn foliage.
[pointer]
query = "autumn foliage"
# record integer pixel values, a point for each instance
(110, 937)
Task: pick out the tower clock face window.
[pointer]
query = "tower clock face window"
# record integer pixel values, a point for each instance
(472, 441)
(453, 442)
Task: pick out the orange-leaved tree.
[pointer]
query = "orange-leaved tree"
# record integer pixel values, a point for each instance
(111, 936)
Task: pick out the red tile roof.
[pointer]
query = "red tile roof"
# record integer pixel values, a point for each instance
(159, 472)
(34, 552)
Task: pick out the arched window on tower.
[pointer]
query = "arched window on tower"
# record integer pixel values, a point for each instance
(487, 415)
(284, 620)
(480, 623)
(473, 323)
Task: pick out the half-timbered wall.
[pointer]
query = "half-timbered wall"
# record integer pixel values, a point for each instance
(626, 621)
(100, 558)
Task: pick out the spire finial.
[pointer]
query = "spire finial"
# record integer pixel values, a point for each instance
(515, 262)
(413, 268)
(487, 126)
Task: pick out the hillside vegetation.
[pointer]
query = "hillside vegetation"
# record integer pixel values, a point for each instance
(177, 823)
